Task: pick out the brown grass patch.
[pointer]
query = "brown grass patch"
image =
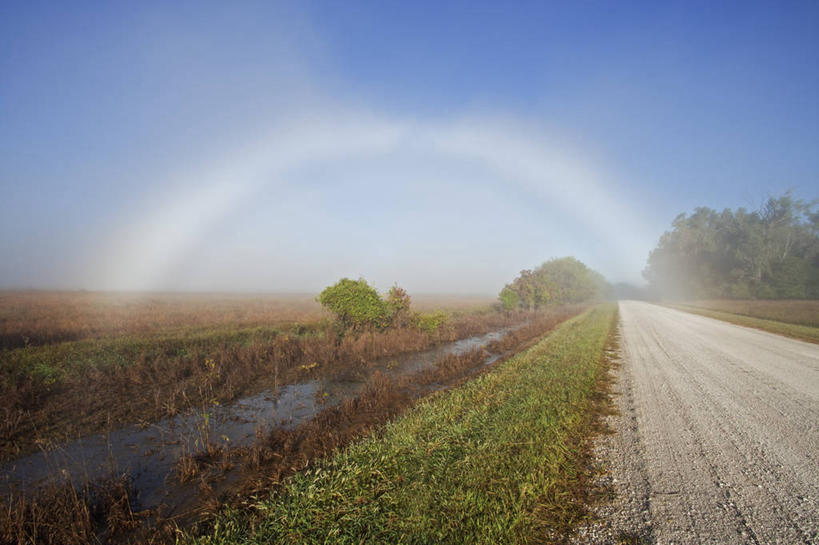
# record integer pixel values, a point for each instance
(96, 397)
(789, 311)
(65, 513)
(42, 317)
(32, 318)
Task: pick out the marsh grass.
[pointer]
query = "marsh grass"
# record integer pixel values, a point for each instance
(499, 459)
(64, 390)
(255, 471)
(70, 513)
(33, 318)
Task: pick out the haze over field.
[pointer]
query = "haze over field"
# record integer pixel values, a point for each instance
(355, 271)
(203, 146)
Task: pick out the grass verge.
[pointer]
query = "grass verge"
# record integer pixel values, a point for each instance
(498, 460)
(796, 331)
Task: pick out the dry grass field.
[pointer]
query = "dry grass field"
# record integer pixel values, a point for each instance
(792, 318)
(37, 318)
(788, 311)
(43, 317)
(74, 363)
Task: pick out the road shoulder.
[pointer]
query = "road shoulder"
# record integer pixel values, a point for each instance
(622, 513)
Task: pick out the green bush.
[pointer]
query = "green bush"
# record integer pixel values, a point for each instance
(356, 304)
(509, 298)
(430, 323)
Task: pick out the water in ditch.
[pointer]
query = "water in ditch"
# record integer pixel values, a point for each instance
(148, 453)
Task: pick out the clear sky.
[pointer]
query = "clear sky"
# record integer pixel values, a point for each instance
(443, 146)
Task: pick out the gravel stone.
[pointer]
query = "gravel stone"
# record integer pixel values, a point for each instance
(717, 436)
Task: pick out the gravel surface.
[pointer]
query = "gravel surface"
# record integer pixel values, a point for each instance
(717, 440)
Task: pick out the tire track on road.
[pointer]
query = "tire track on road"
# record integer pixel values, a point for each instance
(723, 441)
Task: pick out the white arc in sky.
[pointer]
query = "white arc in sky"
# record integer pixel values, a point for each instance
(145, 250)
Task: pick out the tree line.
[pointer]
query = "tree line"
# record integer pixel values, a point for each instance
(557, 281)
(769, 253)
(358, 306)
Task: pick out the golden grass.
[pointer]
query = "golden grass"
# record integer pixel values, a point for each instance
(797, 331)
(799, 312)
(43, 317)
(36, 317)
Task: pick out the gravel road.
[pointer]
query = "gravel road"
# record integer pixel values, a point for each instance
(717, 440)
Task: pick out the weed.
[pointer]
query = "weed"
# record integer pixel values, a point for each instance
(67, 514)
(482, 463)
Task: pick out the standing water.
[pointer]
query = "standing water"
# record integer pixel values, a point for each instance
(149, 453)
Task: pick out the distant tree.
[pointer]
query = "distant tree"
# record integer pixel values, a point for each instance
(772, 252)
(624, 290)
(564, 280)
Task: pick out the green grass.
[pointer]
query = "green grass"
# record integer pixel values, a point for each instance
(496, 460)
(796, 331)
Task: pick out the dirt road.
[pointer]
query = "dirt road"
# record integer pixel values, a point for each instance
(718, 436)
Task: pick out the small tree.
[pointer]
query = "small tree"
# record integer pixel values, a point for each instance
(356, 304)
(398, 307)
(509, 298)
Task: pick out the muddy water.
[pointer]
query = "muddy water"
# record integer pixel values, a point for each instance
(149, 453)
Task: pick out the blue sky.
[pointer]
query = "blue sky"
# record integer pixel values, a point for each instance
(443, 146)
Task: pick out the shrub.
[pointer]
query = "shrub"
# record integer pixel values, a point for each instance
(398, 307)
(430, 323)
(356, 304)
(509, 298)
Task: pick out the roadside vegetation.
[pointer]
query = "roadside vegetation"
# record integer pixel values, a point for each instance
(223, 474)
(497, 460)
(788, 311)
(103, 377)
(796, 319)
(757, 268)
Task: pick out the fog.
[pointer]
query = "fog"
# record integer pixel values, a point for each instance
(456, 207)
(279, 148)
